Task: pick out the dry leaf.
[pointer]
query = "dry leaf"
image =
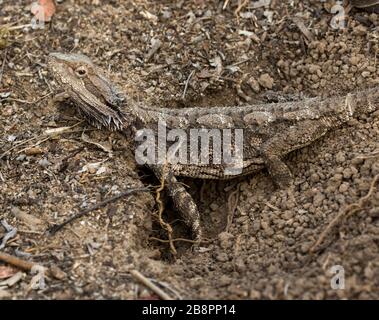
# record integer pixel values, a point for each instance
(32, 151)
(149, 16)
(38, 281)
(10, 282)
(43, 10)
(56, 131)
(94, 168)
(30, 220)
(7, 272)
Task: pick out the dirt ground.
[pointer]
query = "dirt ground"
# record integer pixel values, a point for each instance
(262, 238)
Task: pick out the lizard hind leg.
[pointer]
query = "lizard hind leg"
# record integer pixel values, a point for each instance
(293, 138)
(279, 171)
(182, 200)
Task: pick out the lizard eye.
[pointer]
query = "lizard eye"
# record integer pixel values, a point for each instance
(81, 71)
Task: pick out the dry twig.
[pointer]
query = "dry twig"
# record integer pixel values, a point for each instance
(304, 30)
(225, 4)
(178, 239)
(17, 262)
(48, 133)
(349, 211)
(3, 65)
(240, 7)
(147, 283)
(187, 83)
(164, 224)
(30, 102)
(55, 228)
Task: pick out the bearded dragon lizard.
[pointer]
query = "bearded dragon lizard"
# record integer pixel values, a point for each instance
(270, 131)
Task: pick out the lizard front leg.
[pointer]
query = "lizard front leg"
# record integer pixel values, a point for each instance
(297, 136)
(183, 201)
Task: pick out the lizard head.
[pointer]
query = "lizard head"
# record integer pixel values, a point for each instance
(87, 86)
